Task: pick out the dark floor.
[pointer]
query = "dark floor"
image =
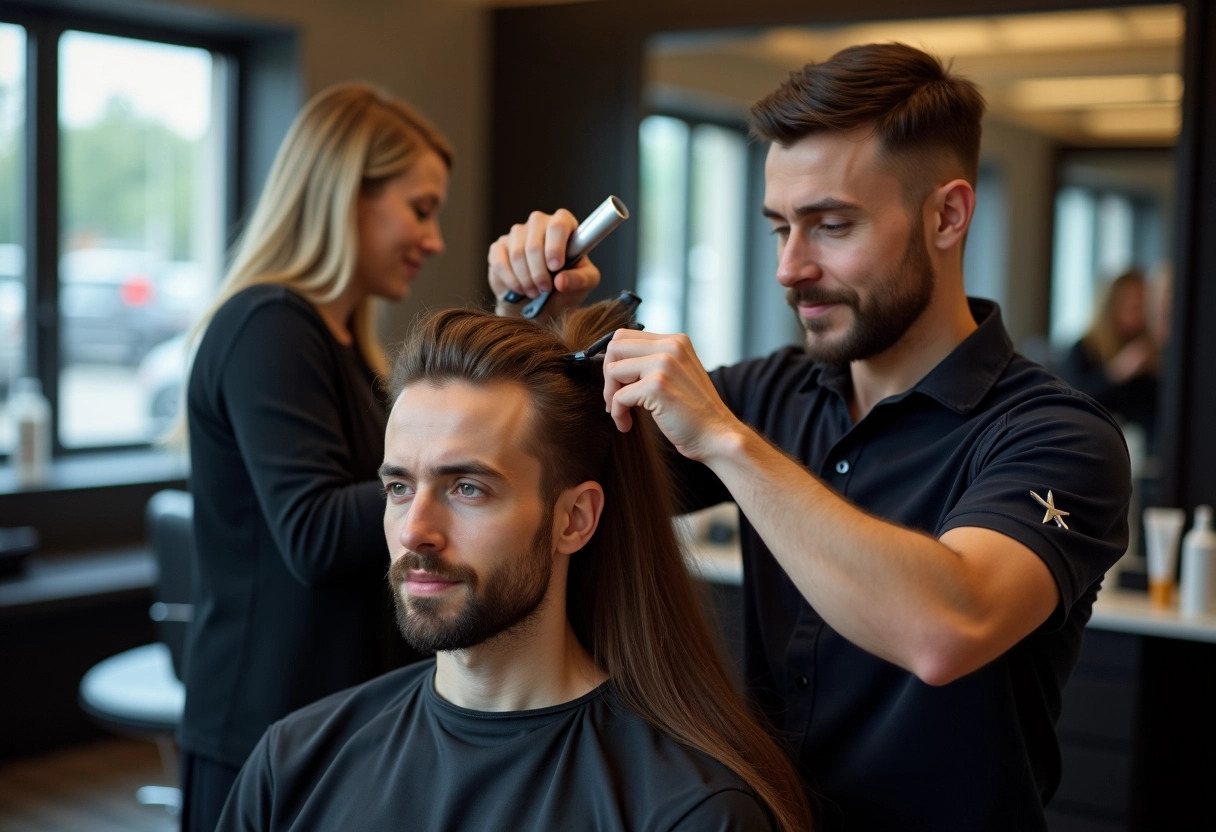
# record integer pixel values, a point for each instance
(86, 788)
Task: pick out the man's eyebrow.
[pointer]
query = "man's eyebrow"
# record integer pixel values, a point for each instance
(823, 206)
(457, 469)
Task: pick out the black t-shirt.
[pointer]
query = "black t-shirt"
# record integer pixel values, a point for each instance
(290, 598)
(964, 447)
(392, 755)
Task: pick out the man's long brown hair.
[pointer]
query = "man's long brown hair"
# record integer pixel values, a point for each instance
(629, 596)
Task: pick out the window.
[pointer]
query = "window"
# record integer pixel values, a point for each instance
(707, 261)
(12, 231)
(986, 253)
(704, 264)
(132, 249)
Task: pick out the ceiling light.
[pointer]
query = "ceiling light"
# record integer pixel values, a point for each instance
(1090, 91)
(1159, 121)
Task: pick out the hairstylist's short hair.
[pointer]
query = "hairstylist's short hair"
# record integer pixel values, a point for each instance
(919, 110)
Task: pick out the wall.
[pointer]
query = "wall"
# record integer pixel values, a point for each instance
(432, 54)
(1026, 161)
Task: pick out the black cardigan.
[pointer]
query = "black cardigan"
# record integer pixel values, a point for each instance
(291, 602)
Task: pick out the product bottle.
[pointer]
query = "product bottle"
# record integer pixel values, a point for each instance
(1199, 564)
(31, 415)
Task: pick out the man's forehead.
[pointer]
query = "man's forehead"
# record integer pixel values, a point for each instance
(435, 425)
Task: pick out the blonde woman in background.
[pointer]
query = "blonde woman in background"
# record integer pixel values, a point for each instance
(286, 420)
(1115, 362)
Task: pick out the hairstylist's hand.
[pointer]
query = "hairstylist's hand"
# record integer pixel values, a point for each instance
(523, 260)
(662, 374)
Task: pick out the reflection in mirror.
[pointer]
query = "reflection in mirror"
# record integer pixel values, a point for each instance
(1110, 276)
(1102, 80)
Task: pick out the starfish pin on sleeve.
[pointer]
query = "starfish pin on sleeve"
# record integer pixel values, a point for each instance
(1053, 513)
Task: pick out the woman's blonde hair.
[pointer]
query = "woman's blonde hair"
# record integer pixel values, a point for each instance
(302, 233)
(348, 139)
(1103, 340)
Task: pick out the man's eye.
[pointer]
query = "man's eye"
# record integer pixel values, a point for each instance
(396, 489)
(467, 489)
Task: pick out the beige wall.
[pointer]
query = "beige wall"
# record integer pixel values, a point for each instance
(433, 53)
(1026, 161)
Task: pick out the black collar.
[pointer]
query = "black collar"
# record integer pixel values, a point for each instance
(962, 379)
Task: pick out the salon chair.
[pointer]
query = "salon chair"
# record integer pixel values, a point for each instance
(139, 692)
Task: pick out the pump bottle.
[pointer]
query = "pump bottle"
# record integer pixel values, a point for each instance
(31, 415)
(1198, 589)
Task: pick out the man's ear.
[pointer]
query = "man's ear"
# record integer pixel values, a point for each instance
(952, 205)
(576, 516)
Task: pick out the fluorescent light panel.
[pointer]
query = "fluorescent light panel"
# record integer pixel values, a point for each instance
(1094, 91)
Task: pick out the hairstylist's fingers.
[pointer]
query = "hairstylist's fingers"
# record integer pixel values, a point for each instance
(521, 268)
(558, 230)
(663, 374)
(500, 274)
(578, 280)
(535, 249)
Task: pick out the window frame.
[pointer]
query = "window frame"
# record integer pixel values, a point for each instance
(42, 183)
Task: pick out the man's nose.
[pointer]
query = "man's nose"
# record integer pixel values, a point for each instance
(422, 525)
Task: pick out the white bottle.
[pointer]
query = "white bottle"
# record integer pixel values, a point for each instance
(1199, 565)
(31, 415)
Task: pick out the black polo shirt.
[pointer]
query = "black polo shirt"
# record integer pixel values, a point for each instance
(964, 447)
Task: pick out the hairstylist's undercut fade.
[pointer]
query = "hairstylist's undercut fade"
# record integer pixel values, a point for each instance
(922, 114)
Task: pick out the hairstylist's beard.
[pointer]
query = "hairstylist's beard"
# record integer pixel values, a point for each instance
(895, 302)
(501, 601)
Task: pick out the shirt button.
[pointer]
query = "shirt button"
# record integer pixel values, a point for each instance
(802, 682)
(842, 467)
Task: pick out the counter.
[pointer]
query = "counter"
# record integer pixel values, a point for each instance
(1117, 610)
(1129, 611)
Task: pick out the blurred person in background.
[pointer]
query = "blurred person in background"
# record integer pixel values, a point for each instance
(285, 416)
(1115, 362)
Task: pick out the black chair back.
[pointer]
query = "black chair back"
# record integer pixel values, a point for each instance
(170, 523)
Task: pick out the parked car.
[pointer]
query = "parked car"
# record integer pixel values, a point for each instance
(116, 304)
(162, 376)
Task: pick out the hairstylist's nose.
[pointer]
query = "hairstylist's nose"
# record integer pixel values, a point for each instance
(796, 263)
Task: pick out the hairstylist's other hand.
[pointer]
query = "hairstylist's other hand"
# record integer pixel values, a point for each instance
(662, 374)
(525, 258)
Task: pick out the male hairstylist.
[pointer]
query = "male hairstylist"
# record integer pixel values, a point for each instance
(927, 516)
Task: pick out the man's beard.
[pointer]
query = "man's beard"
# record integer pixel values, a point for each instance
(895, 302)
(501, 601)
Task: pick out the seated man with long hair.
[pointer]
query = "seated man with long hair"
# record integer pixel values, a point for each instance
(576, 684)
